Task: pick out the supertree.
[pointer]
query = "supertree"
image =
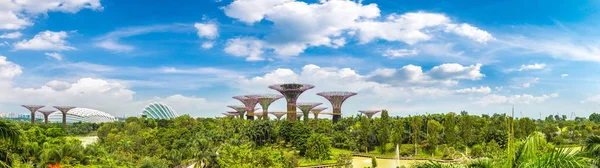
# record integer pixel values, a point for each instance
(233, 113)
(250, 102)
(64, 110)
(33, 109)
(336, 98)
(278, 114)
(239, 109)
(230, 115)
(291, 91)
(265, 101)
(46, 113)
(369, 113)
(305, 107)
(317, 110)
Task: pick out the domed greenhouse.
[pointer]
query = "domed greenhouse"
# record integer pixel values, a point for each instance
(159, 110)
(83, 115)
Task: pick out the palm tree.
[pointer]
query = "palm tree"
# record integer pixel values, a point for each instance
(9, 132)
(592, 148)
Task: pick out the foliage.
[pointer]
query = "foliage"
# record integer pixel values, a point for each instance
(230, 142)
(318, 147)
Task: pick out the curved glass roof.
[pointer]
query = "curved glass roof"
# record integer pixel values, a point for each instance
(83, 115)
(159, 110)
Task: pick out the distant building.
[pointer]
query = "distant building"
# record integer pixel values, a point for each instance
(11, 115)
(159, 110)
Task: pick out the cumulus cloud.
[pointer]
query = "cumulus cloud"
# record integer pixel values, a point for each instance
(564, 75)
(299, 25)
(54, 55)
(105, 95)
(8, 69)
(513, 99)
(18, 14)
(207, 31)
(471, 32)
(248, 47)
(13, 35)
(446, 74)
(46, 40)
(58, 85)
(342, 79)
(480, 90)
(396, 53)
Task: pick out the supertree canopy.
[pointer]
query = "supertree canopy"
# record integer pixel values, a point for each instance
(278, 114)
(32, 109)
(317, 110)
(230, 115)
(369, 113)
(337, 99)
(250, 102)
(46, 113)
(265, 101)
(291, 91)
(240, 110)
(64, 110)
(305, 107)
(233, 113)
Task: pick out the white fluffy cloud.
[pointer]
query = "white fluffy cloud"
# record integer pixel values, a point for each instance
(445, 74)
(370, 94)
(106, 95)
(299, 25)
(8, 70)
(480, 90)
(46, 40)
(13, 35)
(514, 99)
(471, 32)
(564, 75)
(250, 48)
(396, 53)
(54, 55)
(18, 14)
(207, 31)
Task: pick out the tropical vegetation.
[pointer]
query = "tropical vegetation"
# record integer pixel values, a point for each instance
(463, 140)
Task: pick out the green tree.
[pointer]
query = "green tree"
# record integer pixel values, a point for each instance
(398, 131)
(365, 132)
(383, 131)
(466, 128)
(595, 117)
(318, 147)
(433, 131)
(449, 129)
(416, 124)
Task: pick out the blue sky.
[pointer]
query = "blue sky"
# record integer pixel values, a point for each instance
(410, 57)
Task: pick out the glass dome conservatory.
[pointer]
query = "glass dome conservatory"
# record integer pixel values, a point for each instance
(83, 115)
(159, 110)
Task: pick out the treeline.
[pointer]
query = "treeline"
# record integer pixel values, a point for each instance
(231, 142)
